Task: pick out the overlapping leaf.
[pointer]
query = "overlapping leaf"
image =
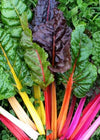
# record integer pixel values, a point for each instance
(10, 12)
(54, 36)
(8, 50)
(6, 86)
(85, 72)
(44, 11)
(35, 57)
(96, 49)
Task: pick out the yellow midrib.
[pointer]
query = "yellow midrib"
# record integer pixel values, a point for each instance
(25, 98)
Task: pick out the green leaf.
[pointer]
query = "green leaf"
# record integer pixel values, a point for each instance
(48, 132)
(8, 50)
(85, 72)
(35, 57)
(6, 88)
(11, 10)
(96, 49)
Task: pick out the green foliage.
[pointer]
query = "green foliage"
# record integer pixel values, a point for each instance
(85, 72)
(96, 50)
(96, 135)
(41, 137)
(11, 10)
(7, 89)
(35, 57)
(7, 82)
(85, 12)
(5, 134)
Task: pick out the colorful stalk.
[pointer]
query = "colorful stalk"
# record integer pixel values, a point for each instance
(47, 111)
(84, 117)
(75, 119)
(26, 128)
(88, 122)
(21, 114)
(69, 117)
(16, 131)
(40, 109)
(54, 112)
(64, 108)
(25, 98)
(91, 130)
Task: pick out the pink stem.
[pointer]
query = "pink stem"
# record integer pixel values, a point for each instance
(88, 122)
(90, 104)
(16, 131)
(91, 130)
(75, 119)
(70, 113)
(85, 116)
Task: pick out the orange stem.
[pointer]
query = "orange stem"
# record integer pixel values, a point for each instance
(64, 109)
(54, 112)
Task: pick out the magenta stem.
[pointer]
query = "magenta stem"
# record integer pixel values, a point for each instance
(91, 130)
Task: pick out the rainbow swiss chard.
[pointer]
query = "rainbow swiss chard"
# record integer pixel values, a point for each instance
(82, 73)
(54, 36)
(36, 59)
(16, 131)
(11, 62)
(26, 128)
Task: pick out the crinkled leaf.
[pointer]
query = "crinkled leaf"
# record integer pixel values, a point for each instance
(6, 88)
(96, 49)
(9, 46)
(10, 12)
(85, 72)
(54, 36)
(35, 57)
(44, 11)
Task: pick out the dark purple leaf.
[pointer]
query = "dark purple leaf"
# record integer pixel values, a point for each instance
(54, 36)
(44, 11)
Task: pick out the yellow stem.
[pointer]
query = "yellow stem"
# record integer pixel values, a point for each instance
(40, 109)
(25, 98)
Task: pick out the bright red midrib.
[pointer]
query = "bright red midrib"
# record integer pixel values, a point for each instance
(53, 51)
(41, 66)
(48, 10)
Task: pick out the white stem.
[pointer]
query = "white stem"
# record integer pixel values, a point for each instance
(91, 129)
(25, 127)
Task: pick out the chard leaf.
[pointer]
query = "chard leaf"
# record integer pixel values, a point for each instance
(44, 11)
(96, 50)
(6, 88)
(35, 57)
(11, 65)
(11, 10)
(85, 72)
(54, 36)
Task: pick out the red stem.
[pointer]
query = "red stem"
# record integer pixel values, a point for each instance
(16, 131)
(47, 110)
